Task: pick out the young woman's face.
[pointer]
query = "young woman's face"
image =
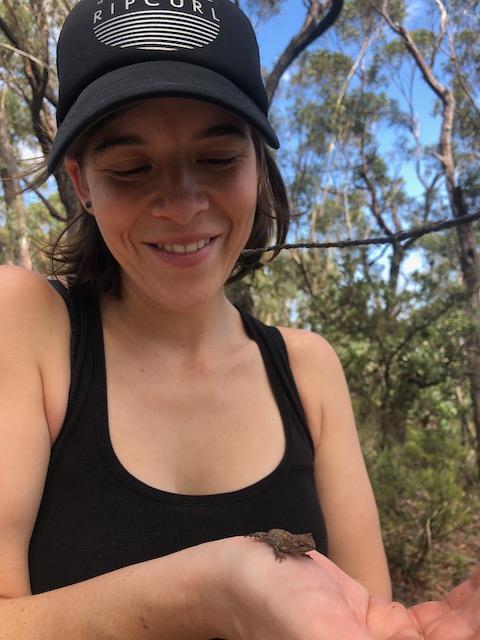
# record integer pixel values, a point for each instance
(173, 186)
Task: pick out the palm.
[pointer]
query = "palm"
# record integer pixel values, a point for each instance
(456, 617)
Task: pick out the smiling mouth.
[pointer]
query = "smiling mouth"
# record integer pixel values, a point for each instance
(184, 248)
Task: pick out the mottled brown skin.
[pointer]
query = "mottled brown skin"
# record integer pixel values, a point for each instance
(285, 542)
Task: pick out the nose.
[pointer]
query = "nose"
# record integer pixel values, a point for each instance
(179, 195)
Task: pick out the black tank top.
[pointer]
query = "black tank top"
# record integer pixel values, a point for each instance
(96, 517)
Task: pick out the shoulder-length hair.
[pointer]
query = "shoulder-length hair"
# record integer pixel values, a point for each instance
(80, 255)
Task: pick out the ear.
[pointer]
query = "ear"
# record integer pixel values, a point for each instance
(78, 179)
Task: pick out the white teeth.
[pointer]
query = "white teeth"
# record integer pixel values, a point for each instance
(184, 248)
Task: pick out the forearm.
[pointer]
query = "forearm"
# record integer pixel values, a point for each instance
(368, 567)
(157, 599)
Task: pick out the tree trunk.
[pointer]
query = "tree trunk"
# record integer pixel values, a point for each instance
(16, 213)
(470, 266)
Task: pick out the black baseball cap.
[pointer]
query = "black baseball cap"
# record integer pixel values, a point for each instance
(112, 53)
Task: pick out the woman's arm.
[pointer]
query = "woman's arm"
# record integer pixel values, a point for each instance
(157, 599)
(24, 434)
(345, 492)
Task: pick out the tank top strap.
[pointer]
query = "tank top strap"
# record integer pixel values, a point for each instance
(86, 329)
(65, 293)
(275, 354)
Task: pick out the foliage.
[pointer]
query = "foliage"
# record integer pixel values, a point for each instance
(421, 488)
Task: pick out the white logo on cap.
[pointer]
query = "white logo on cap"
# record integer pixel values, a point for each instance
(164, 30)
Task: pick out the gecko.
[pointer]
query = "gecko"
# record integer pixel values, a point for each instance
(285, 542)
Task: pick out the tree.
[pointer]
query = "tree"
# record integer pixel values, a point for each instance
(28, 28)
(467, 244)
(16, 251)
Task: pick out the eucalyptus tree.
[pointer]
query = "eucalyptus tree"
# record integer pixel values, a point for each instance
(451, 73)
(28, 29)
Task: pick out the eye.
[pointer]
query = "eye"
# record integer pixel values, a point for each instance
(130, 174)
(218, 162)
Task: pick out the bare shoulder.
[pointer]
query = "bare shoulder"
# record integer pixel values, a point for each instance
(31, 303)
(308, 351)
(318, 375)
(35, 336)
(21, 289)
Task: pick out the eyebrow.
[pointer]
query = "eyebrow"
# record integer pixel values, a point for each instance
(222, 130)
(117, 141)
(217, 131)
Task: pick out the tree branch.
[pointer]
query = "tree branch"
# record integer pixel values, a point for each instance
(461, 78)
(25, 54)
(51, 209)
(425, 69)
(310, 31)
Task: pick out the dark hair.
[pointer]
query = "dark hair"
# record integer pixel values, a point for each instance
(80, 255)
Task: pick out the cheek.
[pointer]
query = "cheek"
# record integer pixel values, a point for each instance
(247, 195)
(104, 197)
(106, 193)
(113, 211)
(114, 224)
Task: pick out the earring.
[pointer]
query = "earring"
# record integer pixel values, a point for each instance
(88, 204)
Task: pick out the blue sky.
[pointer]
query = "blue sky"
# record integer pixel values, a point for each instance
(275, 35)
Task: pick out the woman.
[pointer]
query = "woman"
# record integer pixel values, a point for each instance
(148, 426)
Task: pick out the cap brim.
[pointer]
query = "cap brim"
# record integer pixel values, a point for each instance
(149, 80)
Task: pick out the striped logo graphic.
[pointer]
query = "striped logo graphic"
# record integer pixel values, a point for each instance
(157, 30)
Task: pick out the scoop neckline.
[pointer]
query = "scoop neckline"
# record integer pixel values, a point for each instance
(137, 485)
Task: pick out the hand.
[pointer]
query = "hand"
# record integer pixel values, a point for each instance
(260, 599)
(456, 617)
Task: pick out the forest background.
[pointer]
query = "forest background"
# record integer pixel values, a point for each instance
(379, 116)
